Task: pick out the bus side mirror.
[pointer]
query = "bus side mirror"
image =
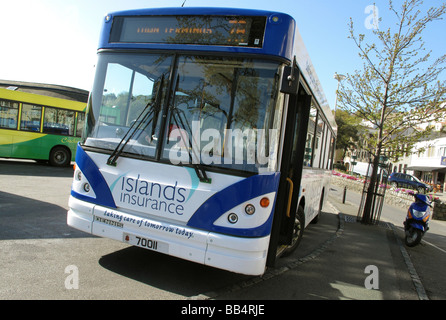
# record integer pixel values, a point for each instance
(290, 79)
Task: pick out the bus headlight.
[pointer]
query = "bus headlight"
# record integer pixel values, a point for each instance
(81, 185)
(250, 209)
(86, 187)
(249, 214)
(232, 218)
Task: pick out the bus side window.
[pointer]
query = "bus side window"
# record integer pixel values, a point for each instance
(318, 143)
(329, 146)
(9, 113)
(58, 121)
(80, 124)
(309, 145)
(31, 116)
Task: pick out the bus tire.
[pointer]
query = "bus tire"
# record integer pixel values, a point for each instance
(60, 157)
(298, 231)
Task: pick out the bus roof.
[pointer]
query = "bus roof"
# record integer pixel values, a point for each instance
(306, 67)
(44, 100)
(49, 90)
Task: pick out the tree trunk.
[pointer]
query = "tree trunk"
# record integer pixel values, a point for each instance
(371, 191)
(370, 199)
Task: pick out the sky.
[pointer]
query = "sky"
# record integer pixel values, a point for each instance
(55, 41)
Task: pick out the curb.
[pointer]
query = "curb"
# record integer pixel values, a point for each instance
(410, 267)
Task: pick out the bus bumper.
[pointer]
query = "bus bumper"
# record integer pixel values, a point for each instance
(235, 254)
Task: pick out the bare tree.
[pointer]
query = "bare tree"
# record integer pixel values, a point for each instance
(397, 88)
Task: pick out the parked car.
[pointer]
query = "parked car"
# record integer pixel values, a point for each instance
(404, 180)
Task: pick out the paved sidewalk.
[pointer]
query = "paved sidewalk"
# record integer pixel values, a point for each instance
(350, 258)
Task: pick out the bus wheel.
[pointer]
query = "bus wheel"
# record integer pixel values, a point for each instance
(59, 157)
(298, 231)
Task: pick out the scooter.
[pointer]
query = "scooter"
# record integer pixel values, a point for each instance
(417, 219)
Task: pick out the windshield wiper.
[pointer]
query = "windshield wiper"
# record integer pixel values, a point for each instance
(181, 122)
(199, 170)
(142, 121)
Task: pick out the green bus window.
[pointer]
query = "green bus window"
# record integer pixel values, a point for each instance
(9, 112)
(80, 124)
(31, 116)
(58, 121)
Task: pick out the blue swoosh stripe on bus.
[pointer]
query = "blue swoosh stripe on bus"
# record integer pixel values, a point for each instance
(112, 186)
(194, 182)
(97, 181)
(232, 196)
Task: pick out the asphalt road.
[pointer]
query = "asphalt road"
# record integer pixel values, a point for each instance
(41, 257)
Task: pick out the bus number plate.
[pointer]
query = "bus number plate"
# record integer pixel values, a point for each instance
(146, 243)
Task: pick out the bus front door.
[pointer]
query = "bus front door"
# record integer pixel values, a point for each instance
(288, 221)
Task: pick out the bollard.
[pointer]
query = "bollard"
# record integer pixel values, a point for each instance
(345, 194)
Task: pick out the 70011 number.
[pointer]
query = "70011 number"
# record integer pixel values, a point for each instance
(146, 243)
(143, 242)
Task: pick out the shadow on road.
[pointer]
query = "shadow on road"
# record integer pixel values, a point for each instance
(32, 168)
(20, 219)
(168, 273)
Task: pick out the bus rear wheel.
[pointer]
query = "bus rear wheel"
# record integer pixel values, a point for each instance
(60, 157)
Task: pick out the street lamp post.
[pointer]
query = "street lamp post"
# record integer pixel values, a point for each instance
(339, 78)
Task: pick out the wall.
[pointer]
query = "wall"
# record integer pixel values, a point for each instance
(439, 210)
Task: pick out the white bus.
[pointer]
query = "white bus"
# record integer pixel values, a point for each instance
(208, 137)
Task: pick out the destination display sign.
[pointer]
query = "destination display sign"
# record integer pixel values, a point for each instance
(199, 30)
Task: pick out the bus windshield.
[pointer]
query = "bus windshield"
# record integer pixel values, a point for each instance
(214, 111)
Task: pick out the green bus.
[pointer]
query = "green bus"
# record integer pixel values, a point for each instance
(41, 122)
